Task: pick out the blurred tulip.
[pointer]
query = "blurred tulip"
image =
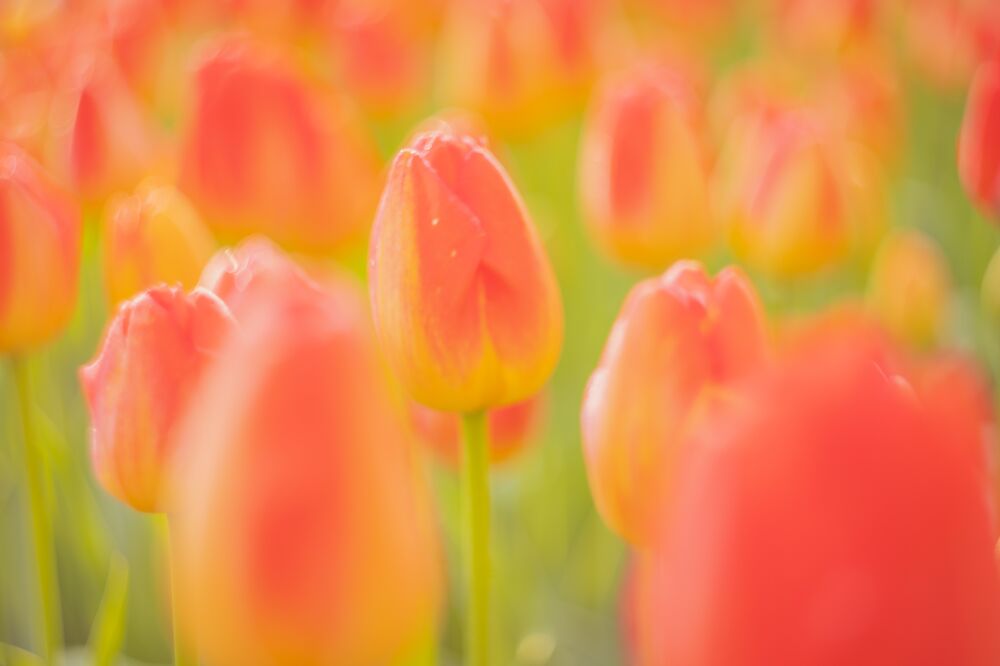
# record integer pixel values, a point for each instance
(26, 91)
(644, 169)
(947, 38)
(304, 530)
(520, 64)
(910, 288)
(465, 302)
(102, 139)
(140, 382)
(152, 236)
(795, 198)
(510, 430)
(266, 153)
(823, 28)
(679, 343)
(40, 231)
(831, 515)
(979, 141)
(694, 25)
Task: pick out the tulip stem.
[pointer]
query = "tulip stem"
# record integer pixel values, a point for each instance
(476, 537)
(50, 617)
(183, 653)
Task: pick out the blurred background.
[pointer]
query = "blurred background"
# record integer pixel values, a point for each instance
(116, 80)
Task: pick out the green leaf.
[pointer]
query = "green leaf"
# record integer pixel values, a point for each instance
(108, 630)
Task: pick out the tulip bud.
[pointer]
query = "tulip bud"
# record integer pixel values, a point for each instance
(979, 141)
(465, 302)
(266, 153)
(831, 515)
(795, 199)
(644, 170)
(679, 340)
(39, 253)
(150, 237)
(909, 288)
(140, 382)
(304, 530)
(510, 429)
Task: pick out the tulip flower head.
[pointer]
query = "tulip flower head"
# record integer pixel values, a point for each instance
(304, 530)
(979, 141)
(680, 342)
(40, 231)
(153, 236)
(510, 429)
(644, 169)
(909, 288)
(831, 515)
(464, 300)
(140, 382)
(265, 152)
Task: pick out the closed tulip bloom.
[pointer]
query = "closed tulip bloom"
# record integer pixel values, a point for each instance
(150, 237)
(979, 141)
(834, 514)
(40, 232)
(304, 531)
(795, 198)
(137, 386)
(510, 429)
(465, 302)
(265, 152)
(681, 341)
(644, 169)
(909, 288)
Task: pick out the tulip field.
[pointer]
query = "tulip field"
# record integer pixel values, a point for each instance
(499, 332)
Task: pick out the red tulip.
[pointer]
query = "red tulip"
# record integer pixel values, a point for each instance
(304, 530)
(834, 513)
(979, 142)
(140, 382)
(465, 303)
(510, 430)
(265, 152)
(680, 342)
(40, 232)
(644, 169)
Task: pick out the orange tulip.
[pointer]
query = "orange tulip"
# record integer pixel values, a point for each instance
(910, 287)
(39, 253)
(150, 237)
(679, 343)
(140, 382)
(979, 141)
(510, 430)
(265, 152)
(465, 303)
(521, 64)
(644, 169)
(828, 28)
(796, 198)
(304, 531)
(834, 514)
(947, 38)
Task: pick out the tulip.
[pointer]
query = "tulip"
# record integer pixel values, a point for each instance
(681, 341)
(644, 169)
(795, 198)
(521, 64)
(103, 141)
(832, 514)
(39, 253)
(265, 152)
(304, 531)
(941, 40)
(465, 303)
(152, 236)
(979, 141)
(140, 382)
(909, 288)
(828, 28)
(510, 429)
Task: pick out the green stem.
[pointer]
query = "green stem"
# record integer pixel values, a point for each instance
(184, 654)
(476, 537)
(50, 619)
